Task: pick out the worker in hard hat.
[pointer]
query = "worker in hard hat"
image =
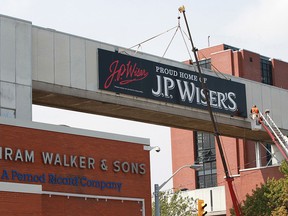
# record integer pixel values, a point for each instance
(254, 112)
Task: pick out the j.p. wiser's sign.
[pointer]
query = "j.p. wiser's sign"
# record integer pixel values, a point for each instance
(142, 78)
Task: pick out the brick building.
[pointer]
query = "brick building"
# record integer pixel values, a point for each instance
(250, 162)
(58, 170)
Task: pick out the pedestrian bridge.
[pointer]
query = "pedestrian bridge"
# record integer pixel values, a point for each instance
(66, 71)
(66, 75)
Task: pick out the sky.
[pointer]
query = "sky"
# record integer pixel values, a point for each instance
(256, 25)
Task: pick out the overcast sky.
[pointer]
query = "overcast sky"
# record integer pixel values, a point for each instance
(255, 25)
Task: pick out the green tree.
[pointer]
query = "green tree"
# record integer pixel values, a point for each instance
(270, 199)
(175, 204)
(279, 193)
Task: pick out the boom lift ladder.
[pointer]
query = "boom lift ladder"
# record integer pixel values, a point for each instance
(280, 140)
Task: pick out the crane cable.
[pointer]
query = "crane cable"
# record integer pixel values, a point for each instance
(181, 31)
(171, 40)
(158, 35)
(139, 44)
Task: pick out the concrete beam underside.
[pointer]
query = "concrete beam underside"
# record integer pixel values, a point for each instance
(142, 110)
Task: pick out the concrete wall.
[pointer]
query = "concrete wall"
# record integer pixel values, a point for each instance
(214, 197)
(268, 97)
(15, 68)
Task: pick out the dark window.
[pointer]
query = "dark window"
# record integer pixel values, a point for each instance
(266, 69)
(206, 63)
(206, 155)
(226, 47)
(268, 154)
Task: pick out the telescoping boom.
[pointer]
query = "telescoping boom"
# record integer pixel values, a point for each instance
(228, 178)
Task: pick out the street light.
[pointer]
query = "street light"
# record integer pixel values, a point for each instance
(157, 188)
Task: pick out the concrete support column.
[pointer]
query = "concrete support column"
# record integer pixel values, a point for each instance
(15, 68)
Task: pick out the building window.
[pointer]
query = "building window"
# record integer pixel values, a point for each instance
(268, 155)
(206, 63)
(228, 47)
(206, 155)
(266, 69)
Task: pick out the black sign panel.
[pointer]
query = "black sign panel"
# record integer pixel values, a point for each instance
(138, 77)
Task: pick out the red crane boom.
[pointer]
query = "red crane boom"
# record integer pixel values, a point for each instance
(229, 179)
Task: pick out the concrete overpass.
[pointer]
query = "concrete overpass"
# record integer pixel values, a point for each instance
(140, 110)
(61, 70)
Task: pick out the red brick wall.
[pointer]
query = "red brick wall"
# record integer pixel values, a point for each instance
(230, 149)
(237, 67)
(250, 66)
(182, 154)
(250, 154)
(248, 181)
(43, 205)
(280, 73)
(59, 206)
(241, 63)
(133, 185)
(242, 152)
(20, 204)
(206, 52)
(223, 62)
